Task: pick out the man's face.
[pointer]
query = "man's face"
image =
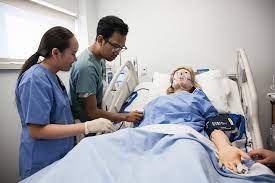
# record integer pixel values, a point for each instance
(113, 46)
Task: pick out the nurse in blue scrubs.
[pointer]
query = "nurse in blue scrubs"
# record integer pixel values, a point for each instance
(43, 105)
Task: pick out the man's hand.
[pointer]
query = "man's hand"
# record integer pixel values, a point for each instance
(133, 116)
(264, 156)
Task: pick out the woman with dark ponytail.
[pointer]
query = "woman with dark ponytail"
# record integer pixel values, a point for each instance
(43, 104)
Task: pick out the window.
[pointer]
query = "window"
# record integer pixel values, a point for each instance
(22, 25)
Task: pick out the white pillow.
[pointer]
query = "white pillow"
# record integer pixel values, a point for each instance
(227, 88)
(234, 99)
(161, 82)
(146, 85)
(212, 84)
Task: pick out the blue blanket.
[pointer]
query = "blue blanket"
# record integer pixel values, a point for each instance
(137, 155)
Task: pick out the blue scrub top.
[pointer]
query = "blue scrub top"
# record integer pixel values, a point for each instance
(41, 100)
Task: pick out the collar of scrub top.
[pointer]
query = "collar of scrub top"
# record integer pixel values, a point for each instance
(60, 84)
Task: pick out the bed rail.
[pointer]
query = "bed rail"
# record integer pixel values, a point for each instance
(114, 95)
(249, 97)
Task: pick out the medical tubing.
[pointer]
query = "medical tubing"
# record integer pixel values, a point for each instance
(120, 125)
(130, 99)
(186, 79)
(181, 86)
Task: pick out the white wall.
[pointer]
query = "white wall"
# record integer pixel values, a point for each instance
(10, 128)
(69, 5)
(92, 20)
(202, 33)
(88, 21)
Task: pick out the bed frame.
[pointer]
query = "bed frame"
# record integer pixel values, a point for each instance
(249, 98)
(115, 96)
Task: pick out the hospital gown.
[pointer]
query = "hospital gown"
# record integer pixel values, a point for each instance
(180, 108)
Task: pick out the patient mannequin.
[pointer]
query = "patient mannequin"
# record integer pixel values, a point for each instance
(183, 79)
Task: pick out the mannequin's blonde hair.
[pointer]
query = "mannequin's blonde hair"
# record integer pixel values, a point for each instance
(192, 73)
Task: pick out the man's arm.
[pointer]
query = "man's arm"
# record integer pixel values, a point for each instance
(90, 107)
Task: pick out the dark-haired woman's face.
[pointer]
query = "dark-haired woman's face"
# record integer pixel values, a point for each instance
(68, 55)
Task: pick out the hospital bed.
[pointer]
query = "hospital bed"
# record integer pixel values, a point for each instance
(115, 96)
(157, 153)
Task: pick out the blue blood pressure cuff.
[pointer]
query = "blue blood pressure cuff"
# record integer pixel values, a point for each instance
(232, 125)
